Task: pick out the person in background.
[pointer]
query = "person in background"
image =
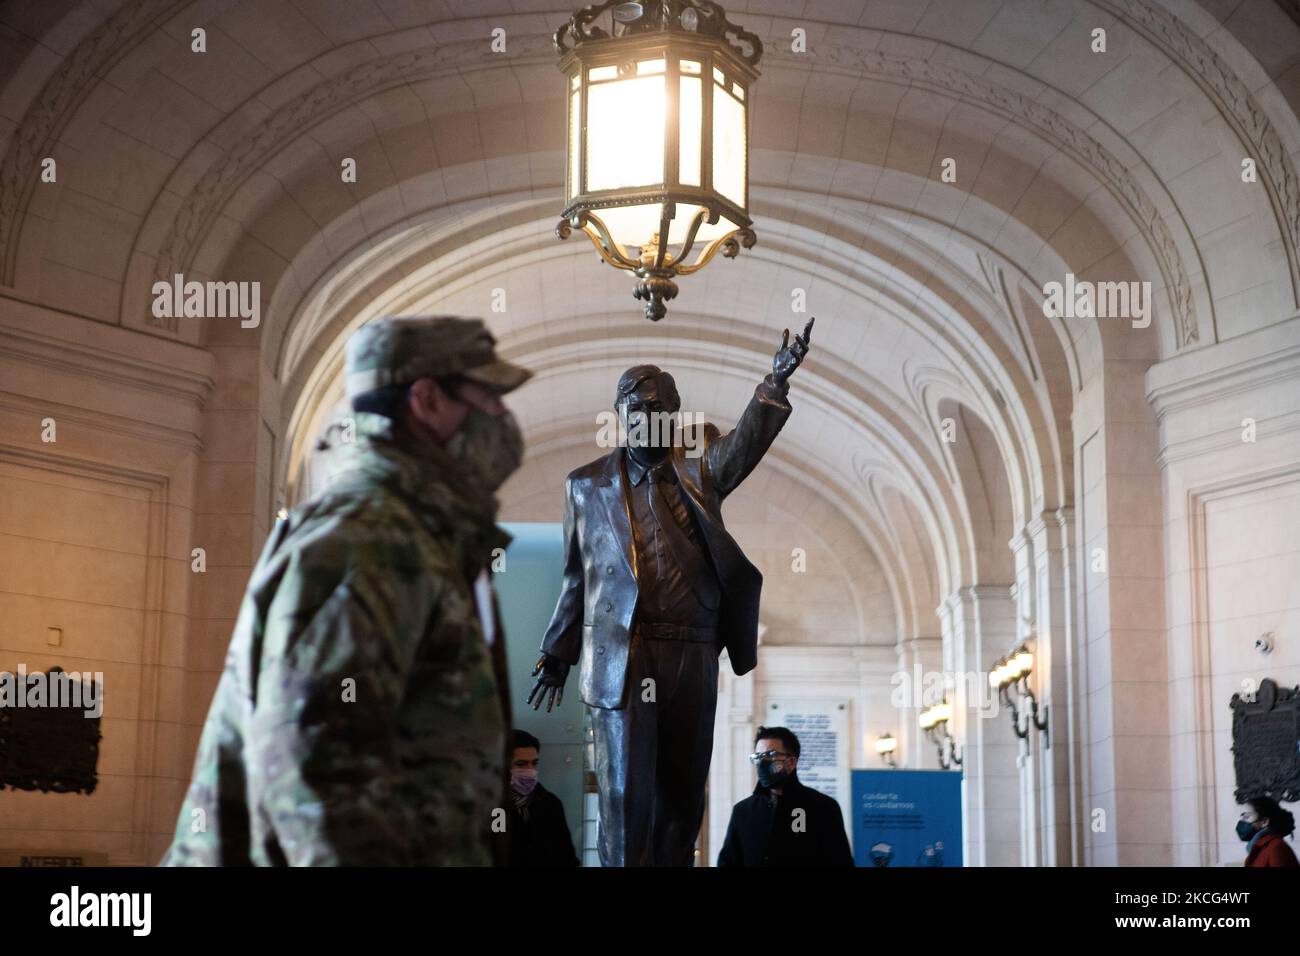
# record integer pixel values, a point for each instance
(539, 833)
(767, 827)
(1263, 826)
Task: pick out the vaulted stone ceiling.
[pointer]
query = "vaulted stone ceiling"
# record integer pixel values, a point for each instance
(1110, 166)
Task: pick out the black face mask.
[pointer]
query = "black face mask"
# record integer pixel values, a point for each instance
(771, 774)
(1245, 830)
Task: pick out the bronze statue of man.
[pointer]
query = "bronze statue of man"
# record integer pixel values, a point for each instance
(654, 588)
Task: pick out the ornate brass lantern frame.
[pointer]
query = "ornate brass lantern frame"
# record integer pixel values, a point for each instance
(684, 38)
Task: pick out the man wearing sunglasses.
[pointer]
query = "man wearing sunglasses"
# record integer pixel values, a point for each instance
(784, 823)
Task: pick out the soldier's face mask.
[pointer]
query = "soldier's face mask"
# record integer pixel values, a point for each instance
(490, 446)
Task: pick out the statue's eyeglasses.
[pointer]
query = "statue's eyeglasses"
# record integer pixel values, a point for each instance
(774, 755)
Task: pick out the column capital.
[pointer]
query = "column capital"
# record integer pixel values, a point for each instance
(954, 601)
(971, 595)
(920, 642)
(1048, 527)
(991, 592)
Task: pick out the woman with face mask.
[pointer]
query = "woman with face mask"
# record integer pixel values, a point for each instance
(1263, 826)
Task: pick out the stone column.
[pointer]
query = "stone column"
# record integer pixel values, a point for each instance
(991, 736)
(1121, 640)
(977, 623)
(917, 658)
(956, 622)
(1050, 612)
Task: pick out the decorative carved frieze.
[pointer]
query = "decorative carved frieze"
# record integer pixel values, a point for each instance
(56, 104)
(1073, 140)
(1234, 100)
(59, 100)
(209, 195)
(216, 186)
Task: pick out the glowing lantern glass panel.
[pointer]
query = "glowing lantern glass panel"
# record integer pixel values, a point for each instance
(729, 173)
(691, 106)
(625, 133)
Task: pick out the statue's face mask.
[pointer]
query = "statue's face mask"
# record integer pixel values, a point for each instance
(647, 419)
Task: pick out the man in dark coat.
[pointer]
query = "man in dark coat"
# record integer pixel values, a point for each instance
(784, 823)
(654, 587)
(539, 833)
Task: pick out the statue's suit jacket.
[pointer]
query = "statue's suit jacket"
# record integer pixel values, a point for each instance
(594, 614)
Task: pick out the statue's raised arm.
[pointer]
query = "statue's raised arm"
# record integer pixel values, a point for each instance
(731, 457)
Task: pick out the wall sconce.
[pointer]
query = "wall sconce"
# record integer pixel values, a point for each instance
(886, 744)
(934, 721)
(1010, 678)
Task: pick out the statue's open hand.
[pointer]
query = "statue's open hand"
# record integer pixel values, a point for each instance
(550, 685)
(791, 354)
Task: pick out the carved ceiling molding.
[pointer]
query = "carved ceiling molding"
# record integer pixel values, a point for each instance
(871, 472)
(1234, 100)
(56, 104)
(1070, 138)
(874, 478)
(209, 195)
(119, 34)
(206, 198)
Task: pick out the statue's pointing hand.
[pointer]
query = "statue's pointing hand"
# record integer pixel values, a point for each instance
(791, 354)
(550, 685)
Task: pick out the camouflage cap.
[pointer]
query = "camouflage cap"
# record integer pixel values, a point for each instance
(397, 351)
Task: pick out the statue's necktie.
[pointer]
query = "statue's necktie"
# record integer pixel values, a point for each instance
(685, 553)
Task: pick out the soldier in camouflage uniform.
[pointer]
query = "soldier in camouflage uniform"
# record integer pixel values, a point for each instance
(363, 712)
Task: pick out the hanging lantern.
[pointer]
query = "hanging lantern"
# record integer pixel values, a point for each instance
(658, 137)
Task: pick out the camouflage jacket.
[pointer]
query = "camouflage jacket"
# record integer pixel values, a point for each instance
(360, 717)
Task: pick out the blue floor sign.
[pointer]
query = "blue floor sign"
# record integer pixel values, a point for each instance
(906, 817)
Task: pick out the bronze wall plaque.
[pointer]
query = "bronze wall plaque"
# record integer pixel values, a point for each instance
(1266, 743)
(52, 747)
